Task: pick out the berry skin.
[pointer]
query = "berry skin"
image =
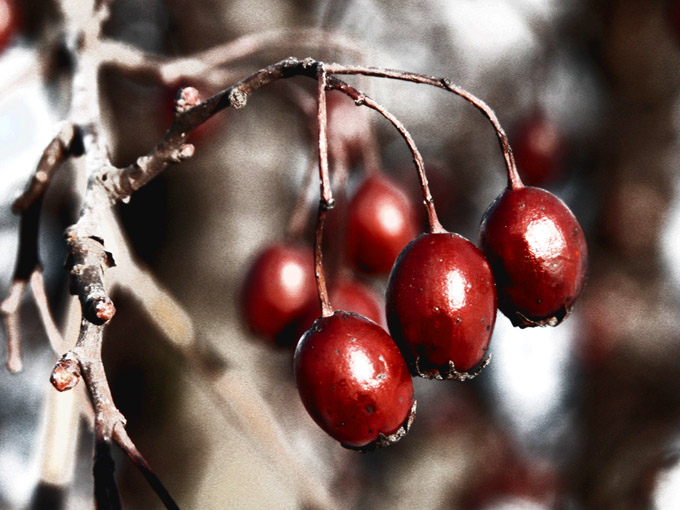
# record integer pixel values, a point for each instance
(441, 305)
(278, 288)
(353, 381)
(381, 220)
(538, 254)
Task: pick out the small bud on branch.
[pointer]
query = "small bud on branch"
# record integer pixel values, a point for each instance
(66, 373)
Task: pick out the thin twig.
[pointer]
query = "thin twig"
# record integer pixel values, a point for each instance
(10, 309)
(443, 83)
(56, 152)
(428, 202)
(326, 201)
(27, 266)
(42, 304)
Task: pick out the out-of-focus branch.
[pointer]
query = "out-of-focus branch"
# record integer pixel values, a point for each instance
(362, 99)
(29, 205)
(10, 309)
(60, 148)
(128, 58)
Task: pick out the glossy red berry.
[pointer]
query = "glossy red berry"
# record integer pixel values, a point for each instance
(381, 220)
(278, 288)
(8, 21)
(354, 382)
(538, 254)
(352, 296)
(441, 304)
(538, 149)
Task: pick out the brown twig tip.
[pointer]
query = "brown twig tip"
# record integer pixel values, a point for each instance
(185, 152)
(103, 309)
(66, 373)
(15, 364)
(187, 98)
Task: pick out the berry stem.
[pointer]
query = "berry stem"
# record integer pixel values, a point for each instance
(326, 199)
(428, 202)
(514, 180)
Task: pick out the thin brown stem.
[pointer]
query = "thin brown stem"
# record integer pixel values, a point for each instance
(326, 197)
(322, 289)
(121, 183)
(514, 180)
(322, 121)
(428, 202)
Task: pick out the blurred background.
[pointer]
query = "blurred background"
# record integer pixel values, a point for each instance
(582, 416)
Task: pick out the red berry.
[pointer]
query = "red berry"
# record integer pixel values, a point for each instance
(537, 146)
(538, 254)
(441, 304)
(279, 287)
(8, 21)
(381, 220)
(353, 381)
(352, 296)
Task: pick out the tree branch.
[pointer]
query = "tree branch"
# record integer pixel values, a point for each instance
(28, 266)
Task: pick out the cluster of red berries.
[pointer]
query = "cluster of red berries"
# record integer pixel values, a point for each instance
(441, 300)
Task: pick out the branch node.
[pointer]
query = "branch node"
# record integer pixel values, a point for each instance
(103, 309)
(187, 98)
(66, 373)
(238, 98)
(327, 205)
(309, 62)
(186, 151)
